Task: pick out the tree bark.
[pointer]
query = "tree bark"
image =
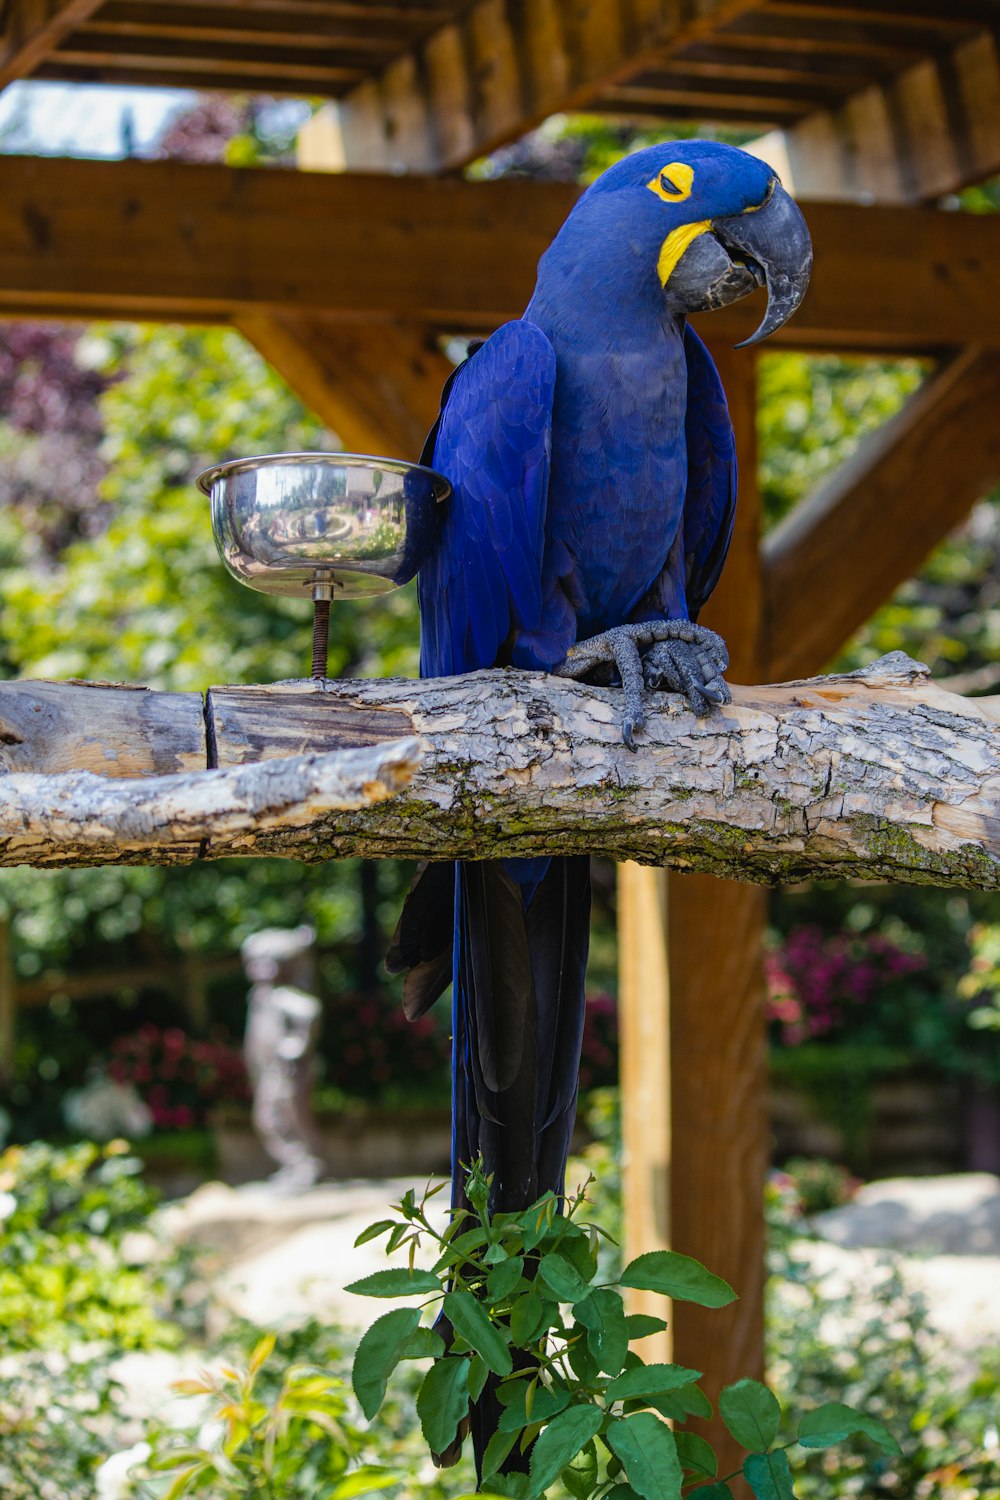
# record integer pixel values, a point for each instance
(878, 774)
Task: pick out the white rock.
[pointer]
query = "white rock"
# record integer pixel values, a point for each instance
(954, 1215)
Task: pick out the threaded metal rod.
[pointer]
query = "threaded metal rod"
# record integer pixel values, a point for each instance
(321, 636)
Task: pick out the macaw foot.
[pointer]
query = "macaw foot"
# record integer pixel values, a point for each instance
(678, 656)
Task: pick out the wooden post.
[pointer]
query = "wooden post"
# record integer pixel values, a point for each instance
(691, 991)
(8, 1006)
(719, 1062)
(644, 1027)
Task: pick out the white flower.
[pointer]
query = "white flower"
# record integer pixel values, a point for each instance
(112, 1477)
(8, 1203)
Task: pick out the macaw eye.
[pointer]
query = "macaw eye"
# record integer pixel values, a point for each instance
(673, 183)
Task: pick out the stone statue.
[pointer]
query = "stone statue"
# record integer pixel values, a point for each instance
(283, 1022)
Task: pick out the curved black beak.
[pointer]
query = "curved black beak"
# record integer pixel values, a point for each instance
(775, 241)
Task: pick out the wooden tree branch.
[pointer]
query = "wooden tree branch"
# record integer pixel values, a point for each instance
(80, 818)
(878, 775)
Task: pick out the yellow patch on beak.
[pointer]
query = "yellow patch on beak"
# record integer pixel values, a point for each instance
(673, 183)
(674, 246)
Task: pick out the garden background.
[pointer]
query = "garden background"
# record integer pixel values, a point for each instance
(876, 993)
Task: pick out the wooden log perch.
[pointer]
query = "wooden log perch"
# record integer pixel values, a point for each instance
(81, 818)
(878, 774)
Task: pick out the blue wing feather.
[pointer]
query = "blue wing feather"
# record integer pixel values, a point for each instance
(493, 442)
(710, 502)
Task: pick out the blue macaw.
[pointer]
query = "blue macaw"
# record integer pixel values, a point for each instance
(592, 461)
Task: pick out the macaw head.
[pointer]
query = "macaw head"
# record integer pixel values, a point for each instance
(693, 225)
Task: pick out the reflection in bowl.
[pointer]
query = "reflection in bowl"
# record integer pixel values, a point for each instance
(286, 523)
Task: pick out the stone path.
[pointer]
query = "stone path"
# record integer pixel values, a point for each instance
(276, 1260)
(282, 1259)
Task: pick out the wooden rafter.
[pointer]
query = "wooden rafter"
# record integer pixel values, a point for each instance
(213, 244)
(503, 66)
(378, 387)
(34, 28)
(929, 131)
(844, 552)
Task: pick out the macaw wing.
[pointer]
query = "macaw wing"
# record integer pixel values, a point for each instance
(710, 502)
(483, 579)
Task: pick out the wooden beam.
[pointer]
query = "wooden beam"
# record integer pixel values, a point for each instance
(216, 244)
(502, 66)
(34, 28)
(843, 552)
(377, 387)
(928, 132)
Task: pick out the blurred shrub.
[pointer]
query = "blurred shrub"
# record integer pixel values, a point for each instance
(66, 1254)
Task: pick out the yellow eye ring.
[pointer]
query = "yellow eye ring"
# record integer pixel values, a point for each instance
(673, 183)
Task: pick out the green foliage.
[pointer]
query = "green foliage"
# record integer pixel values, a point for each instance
(875, 1348)
(56, 1418)
(522, 1301)
(982, 983)
(258, 1444)
(65, 1271)
(148, 600)
(813, 413)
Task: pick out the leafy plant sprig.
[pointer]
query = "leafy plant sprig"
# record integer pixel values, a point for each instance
(257, 1445)
(526, 1304)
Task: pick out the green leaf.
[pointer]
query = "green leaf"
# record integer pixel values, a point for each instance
(696, 1454)
(648, 1453)
(834, 1422)
(478, 1371)
(399, 1282)
(379, 1352)
(650, 1380)
(686, 1401)
(424, 1343)
(364, 1481)
(710, 1492)
(677, 1276)
(768, 1475)
(582, 1362)
(185, 1480)
(574, 1246)
(561, 1278)
(560, 1442)
(545, 1403)
(752, 1414)
(504, 1278)
(516, 1485)
(497, 1450)
(641, 1325)
(526, 1318)
(580, 1476)
(374, 1230)
(621, 1492)
(603, 1315)
(470, 1319)
(537, 1220)
(442, 1401)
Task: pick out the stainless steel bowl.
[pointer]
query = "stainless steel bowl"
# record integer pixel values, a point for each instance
(318, 525)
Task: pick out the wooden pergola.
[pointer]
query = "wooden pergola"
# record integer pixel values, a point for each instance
(873, 110)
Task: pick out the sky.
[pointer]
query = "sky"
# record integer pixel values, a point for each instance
(84, 119)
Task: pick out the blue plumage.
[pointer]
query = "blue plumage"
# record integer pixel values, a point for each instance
(592, 461)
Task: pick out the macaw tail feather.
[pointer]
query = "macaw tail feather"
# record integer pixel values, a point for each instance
(512, 936)
(522, 931)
